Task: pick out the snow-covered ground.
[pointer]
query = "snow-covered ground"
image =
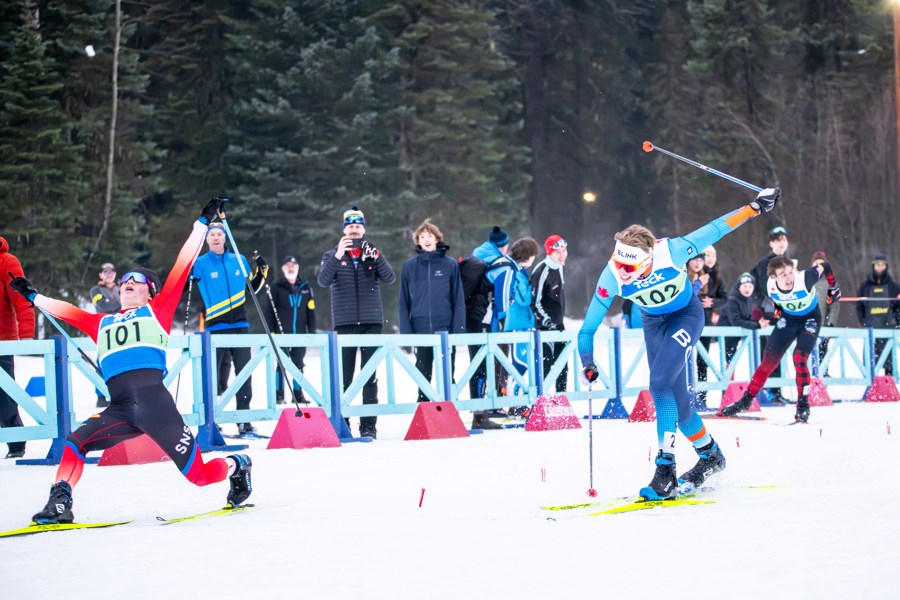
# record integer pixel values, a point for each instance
(346, 522)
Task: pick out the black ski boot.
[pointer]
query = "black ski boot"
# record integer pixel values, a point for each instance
(279, 396)
(481, 421)
(664, 484)
(711, 461)
(802, 413)
(739, 406)
(240, 480)
(59, 506)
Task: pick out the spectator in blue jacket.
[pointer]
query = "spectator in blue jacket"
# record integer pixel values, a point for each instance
(518, 314)
(431, 294)
(223, 288)
(354, 270)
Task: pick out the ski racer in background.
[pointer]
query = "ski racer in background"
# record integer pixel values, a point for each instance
(795, 294)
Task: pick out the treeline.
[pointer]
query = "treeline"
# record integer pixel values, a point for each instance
(470, 112)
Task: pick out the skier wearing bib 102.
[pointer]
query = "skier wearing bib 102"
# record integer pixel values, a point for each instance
(131, 348)
(795, 294)
(650, 272)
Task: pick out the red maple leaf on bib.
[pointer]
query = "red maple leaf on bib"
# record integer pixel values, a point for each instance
(601, 291)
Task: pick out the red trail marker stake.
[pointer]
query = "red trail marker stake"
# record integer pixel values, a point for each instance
(421, 497)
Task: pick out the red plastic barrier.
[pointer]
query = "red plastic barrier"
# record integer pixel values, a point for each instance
(818, 393)
(436, 420)
(883, 389)
(552, 413)
(644, 410)
(311, 429)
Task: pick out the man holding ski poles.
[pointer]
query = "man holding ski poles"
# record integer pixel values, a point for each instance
(651, 273)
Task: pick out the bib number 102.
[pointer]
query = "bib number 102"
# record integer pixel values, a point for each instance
(121, 334)
(658, 296)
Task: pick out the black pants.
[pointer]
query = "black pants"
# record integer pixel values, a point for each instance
(9, 408)
(348, 363)
(298, 356)
(478, 382)
(139, 403)
(702, 367)
(551, 351)
(240, 357)
(880, 343)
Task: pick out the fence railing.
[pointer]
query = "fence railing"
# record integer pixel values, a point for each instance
(850, 360)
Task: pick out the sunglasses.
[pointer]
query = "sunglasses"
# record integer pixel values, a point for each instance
(355, 221)
(558, 245)
(136, 277)
(625, 266)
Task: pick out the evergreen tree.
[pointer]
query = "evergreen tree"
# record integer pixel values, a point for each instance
(41, 165)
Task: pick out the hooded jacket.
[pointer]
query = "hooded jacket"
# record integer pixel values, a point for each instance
(738, 310)
(879, 315)
(16, 313)
(431, 293)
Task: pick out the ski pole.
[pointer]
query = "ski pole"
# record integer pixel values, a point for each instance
(271, 299)
(259, 311)
(649, 147)
(187, 316)
(56, 324)
(591, 491)
(866, 299)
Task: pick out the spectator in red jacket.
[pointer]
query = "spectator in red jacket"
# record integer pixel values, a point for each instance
(16, 323)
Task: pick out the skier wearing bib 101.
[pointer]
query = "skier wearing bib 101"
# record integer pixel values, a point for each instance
(800, 320)
(650, 272)
(131, 348)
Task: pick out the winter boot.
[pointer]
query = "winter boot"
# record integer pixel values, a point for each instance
(664, 484)
(802, 413)
(240, 480)
(739, 406)
(481, 421)
(279, 396)
(59, 506)
(711, 461)
(247, 430)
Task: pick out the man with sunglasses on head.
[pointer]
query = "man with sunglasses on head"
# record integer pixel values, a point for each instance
(105, 298)
(220, 279)
(355, 270)
(549, 301)
(651, 273)
(131, 348)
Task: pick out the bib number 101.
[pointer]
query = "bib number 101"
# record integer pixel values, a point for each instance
(121, 334)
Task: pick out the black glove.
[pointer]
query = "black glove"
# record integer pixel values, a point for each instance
(24, 287)
(590, 372)
(260, 261)
(212, 209)
(766, 199)
(834, 294)
(369, 252)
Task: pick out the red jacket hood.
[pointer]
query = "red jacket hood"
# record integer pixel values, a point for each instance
(4, 246)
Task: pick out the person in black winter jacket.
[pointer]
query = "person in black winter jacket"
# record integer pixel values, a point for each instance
(738, 312)
(292, 310)
(431, 294)
(880, 315)
(354, 270)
